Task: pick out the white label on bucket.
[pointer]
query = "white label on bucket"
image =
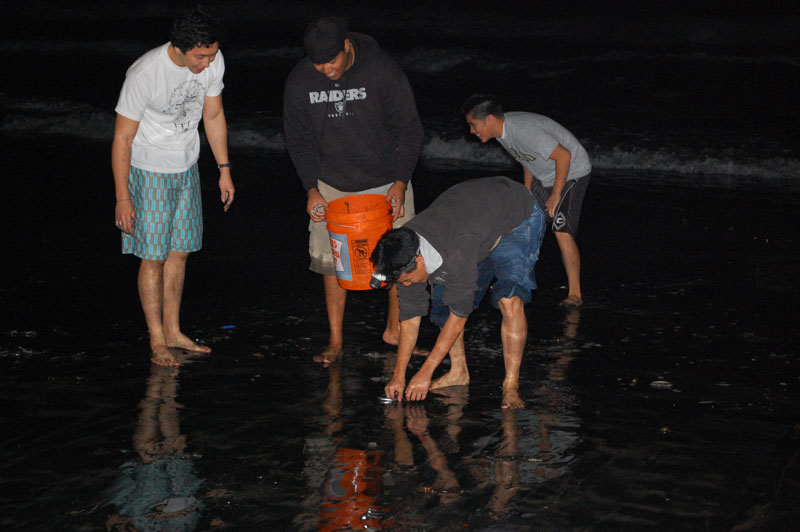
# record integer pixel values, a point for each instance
(341, 256)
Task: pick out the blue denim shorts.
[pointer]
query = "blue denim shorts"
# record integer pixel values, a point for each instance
(510, 266)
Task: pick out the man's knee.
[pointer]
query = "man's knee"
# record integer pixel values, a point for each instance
(178, 255)
(152, 265)
(511, 307)
(564, 237)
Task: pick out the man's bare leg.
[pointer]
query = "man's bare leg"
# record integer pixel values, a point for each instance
(174, 275)
(335, 299)
(571, 258)
(458, 374)
(151, 294)
(513, 332)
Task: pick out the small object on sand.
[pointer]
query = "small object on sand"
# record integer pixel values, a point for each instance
(661, 385)
(178, 504)
(385, 400)
(226, 327)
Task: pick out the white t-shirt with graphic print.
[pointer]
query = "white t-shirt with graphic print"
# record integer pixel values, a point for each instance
(531, 138)
(167, 101)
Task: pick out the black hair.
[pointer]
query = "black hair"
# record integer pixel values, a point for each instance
(200, 25)
(482, 105)
(394, 252)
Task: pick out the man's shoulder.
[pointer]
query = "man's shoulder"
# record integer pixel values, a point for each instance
(147, 61)
(373, 56)
(524, 118)
(301, 73)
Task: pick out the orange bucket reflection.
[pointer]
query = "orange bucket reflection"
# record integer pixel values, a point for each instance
(348, 502)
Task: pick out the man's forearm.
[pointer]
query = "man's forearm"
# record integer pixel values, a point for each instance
(120, 167)
(217, 134)
(409, 331)
(447, 337)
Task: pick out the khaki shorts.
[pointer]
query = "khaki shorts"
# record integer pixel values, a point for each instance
(319, 243)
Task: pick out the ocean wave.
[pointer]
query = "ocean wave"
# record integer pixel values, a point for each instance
(711, 167)
(446, 60)
(35, 118)
(45, 117)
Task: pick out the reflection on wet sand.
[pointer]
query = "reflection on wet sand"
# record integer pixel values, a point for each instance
(343, 482)
(416, 484)
(529, 447)
(158, 487)
(554, 405)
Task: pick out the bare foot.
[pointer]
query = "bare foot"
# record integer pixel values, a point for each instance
(394, 339)
(451, 378)
(511, 397)
(330, 354)
(162, 356)
(181, 341)
(572, 301)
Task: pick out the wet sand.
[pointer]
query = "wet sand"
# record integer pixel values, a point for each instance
(669, 402)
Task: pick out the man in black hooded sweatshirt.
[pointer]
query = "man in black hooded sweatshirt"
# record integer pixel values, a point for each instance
(351, 127)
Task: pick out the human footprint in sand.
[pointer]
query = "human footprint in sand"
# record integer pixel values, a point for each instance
(167, 92)
(476, 232)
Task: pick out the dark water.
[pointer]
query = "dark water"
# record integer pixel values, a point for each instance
(670, 402)
(698, 93)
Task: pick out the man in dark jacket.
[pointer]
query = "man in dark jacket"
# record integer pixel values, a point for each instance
(351, 127)
(476, 231)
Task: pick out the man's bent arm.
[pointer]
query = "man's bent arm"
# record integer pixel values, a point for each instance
(124, 132)
(562, 157)
(418, 387)
(396, 195)
(217, 133)
(409, 331)
(527, 178)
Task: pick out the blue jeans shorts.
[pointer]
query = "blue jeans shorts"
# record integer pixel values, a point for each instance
(510, 266)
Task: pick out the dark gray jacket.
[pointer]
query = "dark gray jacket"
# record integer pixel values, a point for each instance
(464, 225)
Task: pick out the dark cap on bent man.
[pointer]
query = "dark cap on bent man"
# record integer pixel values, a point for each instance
(324, 39)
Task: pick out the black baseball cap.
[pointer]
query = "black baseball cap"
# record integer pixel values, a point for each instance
(324, 39)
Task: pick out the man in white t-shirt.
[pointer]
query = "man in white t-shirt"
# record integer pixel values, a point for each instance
(555, 166)
(154, 161)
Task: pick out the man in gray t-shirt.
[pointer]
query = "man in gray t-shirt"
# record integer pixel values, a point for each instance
(555, 167)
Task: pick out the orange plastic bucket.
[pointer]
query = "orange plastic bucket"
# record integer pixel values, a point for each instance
(355, 224)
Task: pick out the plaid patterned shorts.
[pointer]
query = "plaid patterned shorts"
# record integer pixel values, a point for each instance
(168, 213)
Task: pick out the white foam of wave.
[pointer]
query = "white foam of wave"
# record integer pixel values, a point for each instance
(45, 46)
(38, 117)
(684, 161)
(446, 60)
(675, 160)
(248, 138)
(465, 150)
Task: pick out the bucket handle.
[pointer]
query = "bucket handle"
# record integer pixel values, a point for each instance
(345, 225)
